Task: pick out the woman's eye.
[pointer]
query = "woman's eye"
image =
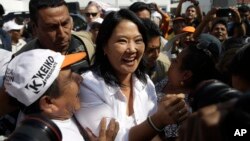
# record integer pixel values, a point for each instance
(139, 40)
(122, 41)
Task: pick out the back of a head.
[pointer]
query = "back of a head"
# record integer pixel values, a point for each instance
(237, 119)
(151, 28)
(201, 60)
(212, 43)
(244, 8)
(36, 5)
(234, 42)
(212, 92)
(139, 6)
(240, 63)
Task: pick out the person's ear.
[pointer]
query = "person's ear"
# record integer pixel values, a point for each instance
(34, 28)
(47, 105)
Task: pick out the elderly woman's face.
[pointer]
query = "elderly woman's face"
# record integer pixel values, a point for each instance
(125, 47)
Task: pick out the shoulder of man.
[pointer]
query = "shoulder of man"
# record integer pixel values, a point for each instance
(85, 39)
(164, 59)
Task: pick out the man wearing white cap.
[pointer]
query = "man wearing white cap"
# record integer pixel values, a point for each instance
(47, 85)
(15, 32)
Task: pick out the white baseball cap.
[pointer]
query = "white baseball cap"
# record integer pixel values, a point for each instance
(30, 74)
(5, 57)
(12, 25)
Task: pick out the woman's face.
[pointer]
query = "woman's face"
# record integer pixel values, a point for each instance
(175, 74)
(125, 47)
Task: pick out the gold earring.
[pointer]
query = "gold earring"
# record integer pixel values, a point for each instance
(182, 83)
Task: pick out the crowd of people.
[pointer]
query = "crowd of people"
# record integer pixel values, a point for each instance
(134, 74)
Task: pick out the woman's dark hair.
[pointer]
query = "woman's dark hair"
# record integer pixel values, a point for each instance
(2, 11)
(36, 5)
(102, 65)
(210, 92)
(190, 6)
(139, 6)
(200, 60)
(237, 118)
(240, 63)
(152, 29)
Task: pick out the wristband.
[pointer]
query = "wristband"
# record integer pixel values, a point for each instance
(150, 122)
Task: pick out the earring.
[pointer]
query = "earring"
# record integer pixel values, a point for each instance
(182, 83)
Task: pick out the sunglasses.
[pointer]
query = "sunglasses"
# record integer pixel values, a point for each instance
(92, 14)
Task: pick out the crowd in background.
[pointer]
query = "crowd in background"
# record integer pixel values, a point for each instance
(133, 74)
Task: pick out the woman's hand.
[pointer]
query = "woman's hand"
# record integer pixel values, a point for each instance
(105, 134)
(171, 109)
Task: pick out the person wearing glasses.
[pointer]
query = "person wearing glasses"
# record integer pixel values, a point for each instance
(92, 13)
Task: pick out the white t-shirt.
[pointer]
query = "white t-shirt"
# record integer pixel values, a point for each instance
(16, 47)
(69, 130)
(99, 100)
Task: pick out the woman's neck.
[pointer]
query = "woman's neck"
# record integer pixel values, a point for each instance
(125, 80)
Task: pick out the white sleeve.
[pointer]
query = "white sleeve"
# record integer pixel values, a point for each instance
(93, 105)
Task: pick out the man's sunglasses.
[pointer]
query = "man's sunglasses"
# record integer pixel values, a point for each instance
(92, 14)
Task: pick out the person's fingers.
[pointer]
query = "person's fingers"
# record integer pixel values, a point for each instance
(182, 117)
(102, 131)
(180, 95)
(179, 106)
(112, 130)
(167, 97)
(117, 127)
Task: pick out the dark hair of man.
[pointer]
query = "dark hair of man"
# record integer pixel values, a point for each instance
(1, 10)
(53, 92)
(102, 65)
(151, 28)
(201, 62)
(139, 6)
(236, 117)
(244, 8)
(190, 6)
(240, 63)
(36, 5)
(219, 21)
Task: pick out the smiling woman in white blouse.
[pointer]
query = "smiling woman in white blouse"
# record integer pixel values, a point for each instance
(118, 87)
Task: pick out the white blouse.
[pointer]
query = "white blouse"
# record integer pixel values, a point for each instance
(100, 100)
